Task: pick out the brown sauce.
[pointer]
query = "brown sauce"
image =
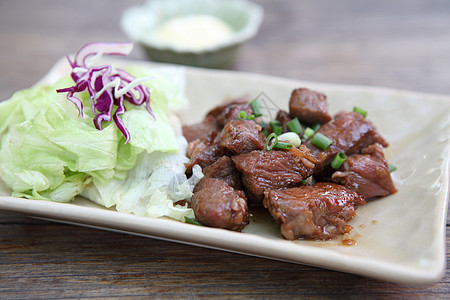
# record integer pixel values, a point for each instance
(347, 229)
(349, 242)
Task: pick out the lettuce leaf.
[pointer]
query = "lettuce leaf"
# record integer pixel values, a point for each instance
(49, 152)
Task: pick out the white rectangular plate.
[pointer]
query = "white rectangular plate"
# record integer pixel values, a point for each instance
(399, 238)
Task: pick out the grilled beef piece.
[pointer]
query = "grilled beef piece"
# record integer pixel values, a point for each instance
(309, 106)
(230, 111)
(204, 151)
(220, 108)
(217, 118)
(224, 169)
(264, 170)
(242, 136)
(319, 211)
(366, 173)
(200, 130)
(350, 133)
(217, 204)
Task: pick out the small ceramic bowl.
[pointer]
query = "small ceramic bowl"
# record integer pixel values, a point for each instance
(140, 24)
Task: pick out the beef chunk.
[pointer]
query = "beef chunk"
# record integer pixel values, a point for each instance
(309, 106)
(350, 133)
(263, 170)
(216, 111)
(217, 118)
(319, 211)
(230, 111)
(366, 173)
(242, 136)
(204, 151)
(224, 169)
(200, 130)
(217, 204)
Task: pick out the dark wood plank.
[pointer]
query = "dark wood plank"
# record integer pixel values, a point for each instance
(401, 45)
(397, 44)
(39, 258)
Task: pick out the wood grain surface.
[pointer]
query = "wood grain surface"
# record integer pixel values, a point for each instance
(398, 44)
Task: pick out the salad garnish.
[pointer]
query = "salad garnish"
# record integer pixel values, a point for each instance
(108, 87)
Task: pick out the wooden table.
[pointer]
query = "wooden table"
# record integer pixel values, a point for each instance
(401, 44)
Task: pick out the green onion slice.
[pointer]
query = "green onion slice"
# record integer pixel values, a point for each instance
(276, 127)
(360, 111)
(283, 145)
(269, 145)
(315, 127)
(256, 107)
(192, 221)
(275, 123)
(263, 124)
(243, 116)
(309, 132)
(392, 168)
(321, 141)
(294, 125)
(338, 160)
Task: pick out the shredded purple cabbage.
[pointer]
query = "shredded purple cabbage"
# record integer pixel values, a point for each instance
(104, 84)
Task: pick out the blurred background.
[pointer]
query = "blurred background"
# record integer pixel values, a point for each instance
(398, 44)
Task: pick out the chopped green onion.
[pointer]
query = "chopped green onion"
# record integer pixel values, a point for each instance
(294, 125)
(269, 146)
(305, 181)
(276, 127)
(321, 141)
(338, 160)
(315, 127)
(192, 221)
(283, 145)
(256, 107)
(360, 111)
(278, 130)
(275, 123)
(392, 168)
(243, 116)
(265, 132)
(263, 124)
(309, 132)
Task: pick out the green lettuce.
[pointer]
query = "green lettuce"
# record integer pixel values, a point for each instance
(49, 152)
